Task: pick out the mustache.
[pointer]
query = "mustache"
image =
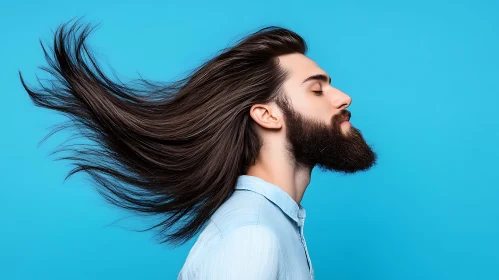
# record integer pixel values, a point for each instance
(343, 115)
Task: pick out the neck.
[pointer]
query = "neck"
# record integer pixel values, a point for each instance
(274, 166)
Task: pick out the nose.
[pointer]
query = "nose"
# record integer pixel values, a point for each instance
(341, 100)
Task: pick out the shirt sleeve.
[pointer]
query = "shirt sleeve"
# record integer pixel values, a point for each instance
(247, 253)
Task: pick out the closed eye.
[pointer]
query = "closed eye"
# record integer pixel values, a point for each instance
(317, 92)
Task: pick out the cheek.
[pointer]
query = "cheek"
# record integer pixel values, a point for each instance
(315, 108)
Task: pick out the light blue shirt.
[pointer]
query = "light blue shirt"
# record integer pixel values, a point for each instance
(257, 234)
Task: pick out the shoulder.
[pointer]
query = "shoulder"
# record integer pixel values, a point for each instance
(250, 241)
(243, 208)
(251, 250)
(252, 234)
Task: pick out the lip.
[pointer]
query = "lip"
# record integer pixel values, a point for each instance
(344, 116)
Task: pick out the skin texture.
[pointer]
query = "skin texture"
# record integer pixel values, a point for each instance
(309, 132)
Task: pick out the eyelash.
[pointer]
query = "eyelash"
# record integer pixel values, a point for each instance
(317, 92)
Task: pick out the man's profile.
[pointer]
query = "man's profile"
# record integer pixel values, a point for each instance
(226, 152)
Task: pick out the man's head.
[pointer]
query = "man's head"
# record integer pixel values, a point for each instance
(314, 119)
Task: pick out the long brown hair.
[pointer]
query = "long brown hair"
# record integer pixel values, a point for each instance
(172, 149)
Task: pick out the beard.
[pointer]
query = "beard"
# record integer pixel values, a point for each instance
(329, 146)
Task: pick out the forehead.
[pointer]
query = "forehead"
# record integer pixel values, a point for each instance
(299, 66)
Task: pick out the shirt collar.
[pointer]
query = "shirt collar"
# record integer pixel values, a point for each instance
(273, 193)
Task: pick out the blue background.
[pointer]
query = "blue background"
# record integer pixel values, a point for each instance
(424, 78)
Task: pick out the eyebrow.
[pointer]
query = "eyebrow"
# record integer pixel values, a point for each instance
(319, 77)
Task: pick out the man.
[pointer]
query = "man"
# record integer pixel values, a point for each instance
(226, 152)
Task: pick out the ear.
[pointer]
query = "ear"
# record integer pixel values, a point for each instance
(267, 115)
